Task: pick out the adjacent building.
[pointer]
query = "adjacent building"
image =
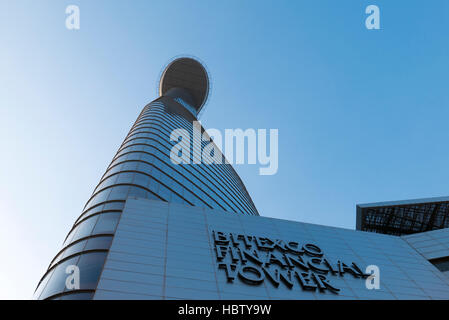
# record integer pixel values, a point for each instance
(404, 217)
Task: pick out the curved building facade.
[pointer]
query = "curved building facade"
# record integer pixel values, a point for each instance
(142, 168)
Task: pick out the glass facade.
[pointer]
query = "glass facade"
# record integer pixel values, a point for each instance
(141, 168)
(404, 217)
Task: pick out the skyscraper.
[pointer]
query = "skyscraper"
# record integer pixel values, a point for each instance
(153, 229)
(142, 168)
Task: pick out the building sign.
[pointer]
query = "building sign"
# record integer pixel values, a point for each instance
(254, 259)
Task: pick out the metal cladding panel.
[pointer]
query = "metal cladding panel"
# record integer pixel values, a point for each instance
(173, 251)
(431, 244)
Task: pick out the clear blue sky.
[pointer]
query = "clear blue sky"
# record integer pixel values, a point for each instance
(362, 114)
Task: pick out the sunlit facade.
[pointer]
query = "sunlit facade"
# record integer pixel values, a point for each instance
(142, 168)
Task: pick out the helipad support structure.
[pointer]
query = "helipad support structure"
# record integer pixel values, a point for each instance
(153, 229)
(186, 78)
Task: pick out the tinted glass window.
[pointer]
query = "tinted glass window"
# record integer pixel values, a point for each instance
(114, 206)
(98, 243)
(42, 285)
(106, 222)
(138, 192)
(75, 248)
(85, 228)
(119, 192)
(77, 296)
(90, 265)
(56, 283)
